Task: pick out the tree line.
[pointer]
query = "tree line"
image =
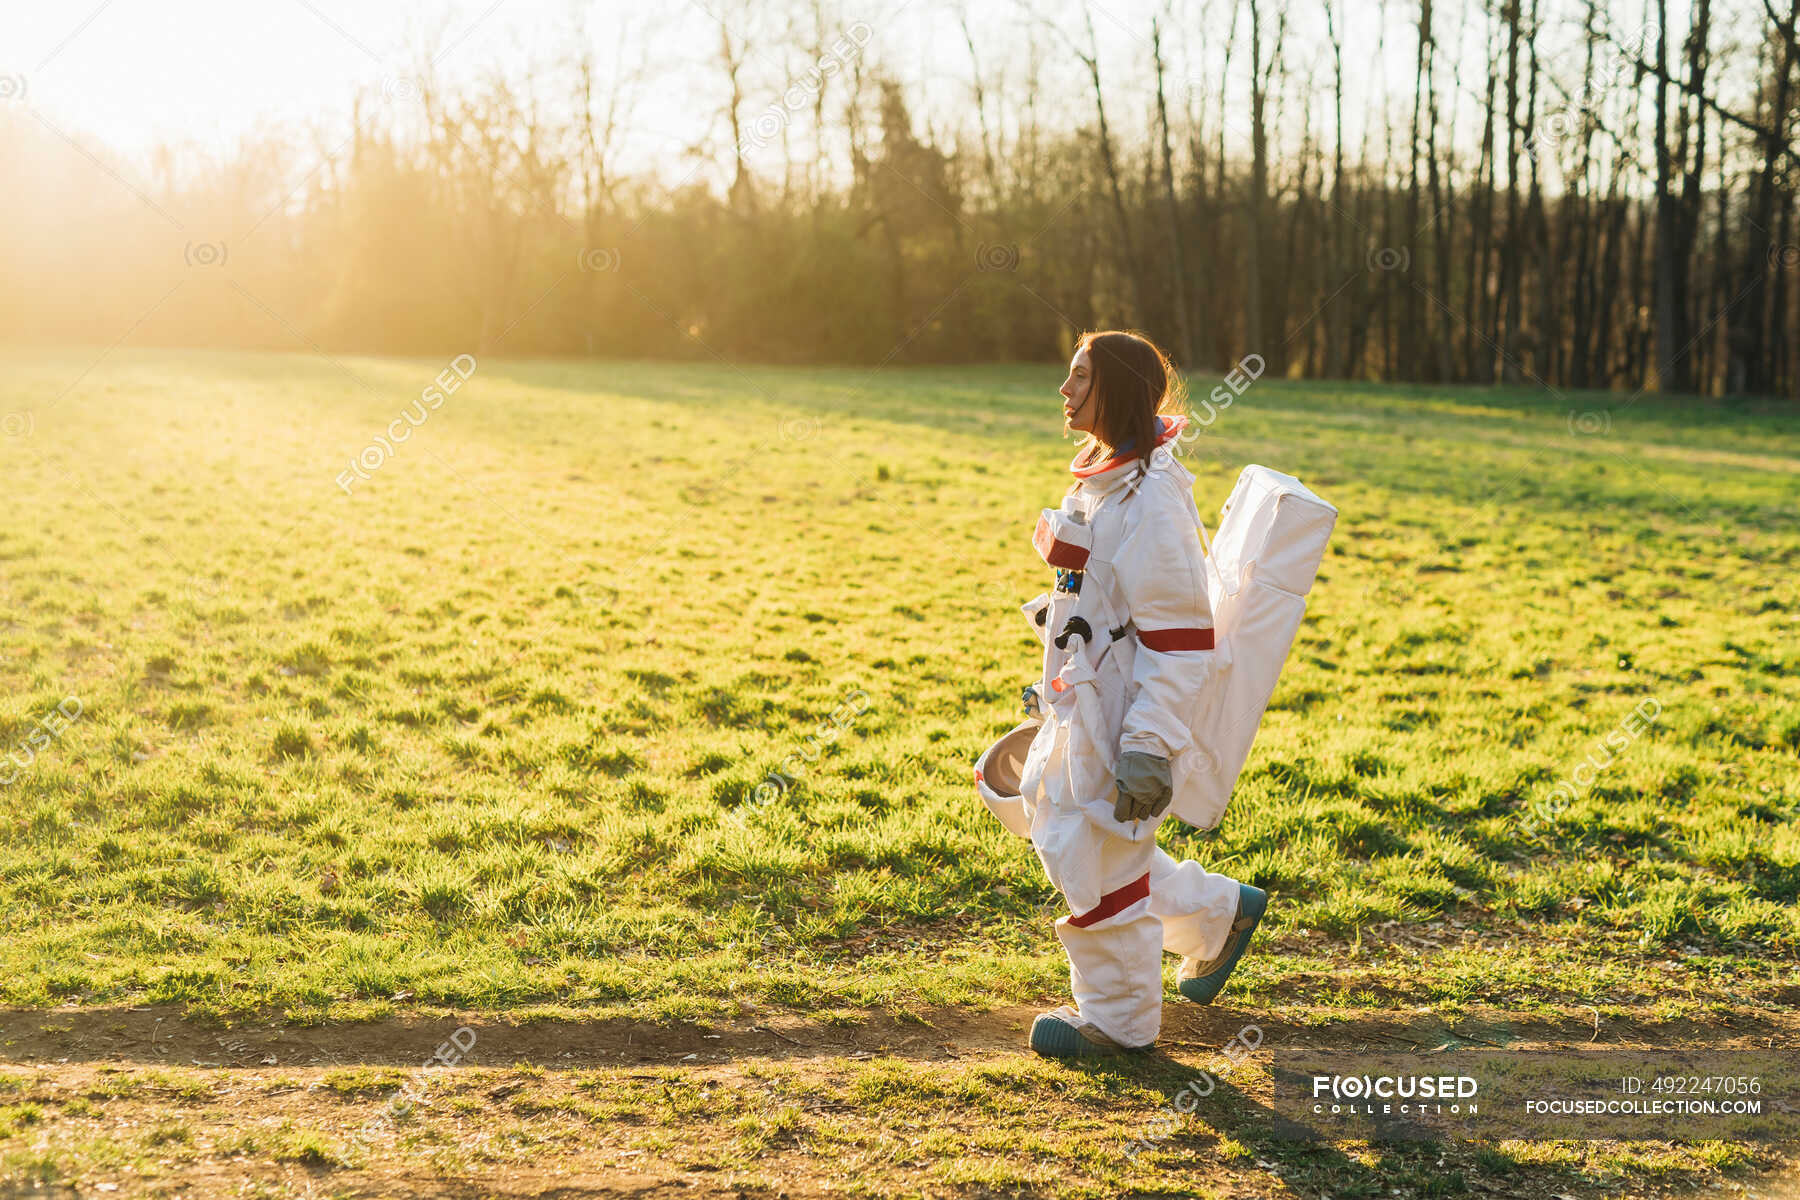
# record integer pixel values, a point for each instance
(1550, 197)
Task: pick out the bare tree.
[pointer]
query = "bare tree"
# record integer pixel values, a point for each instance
(1090, 59)
(731, 61)
(1184, 333)
(1265, 61)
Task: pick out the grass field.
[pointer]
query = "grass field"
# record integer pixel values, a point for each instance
(644, 697)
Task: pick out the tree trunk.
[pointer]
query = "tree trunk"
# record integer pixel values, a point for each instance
(1178, 288)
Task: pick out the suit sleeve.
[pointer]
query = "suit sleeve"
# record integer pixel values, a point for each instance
(1161, 573)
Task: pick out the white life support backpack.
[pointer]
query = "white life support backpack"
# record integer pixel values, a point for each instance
(1272, 536)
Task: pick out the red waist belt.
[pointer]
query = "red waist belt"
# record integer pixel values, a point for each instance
(1116, 902)
(1177, 639)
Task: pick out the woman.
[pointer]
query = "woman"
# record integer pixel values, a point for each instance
(1128, 648)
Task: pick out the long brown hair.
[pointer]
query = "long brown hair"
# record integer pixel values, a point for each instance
(1133, 382)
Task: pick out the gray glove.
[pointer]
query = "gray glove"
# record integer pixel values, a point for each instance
(1145, 788)
(1033, 704)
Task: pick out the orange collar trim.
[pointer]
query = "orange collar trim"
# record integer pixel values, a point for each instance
(1171, 426)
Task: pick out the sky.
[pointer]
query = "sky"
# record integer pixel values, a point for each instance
(136, 73)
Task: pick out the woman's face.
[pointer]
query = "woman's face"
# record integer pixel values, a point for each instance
(1078, 394)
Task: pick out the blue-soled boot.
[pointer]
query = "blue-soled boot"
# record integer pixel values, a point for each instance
(1061, 1033)
(1201, 981)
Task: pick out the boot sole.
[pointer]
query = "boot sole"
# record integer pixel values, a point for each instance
(1252, 903)
(1056, 1038)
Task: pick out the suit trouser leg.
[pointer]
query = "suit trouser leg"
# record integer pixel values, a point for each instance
(1196, 907)
(1115, 950)
(1150, 903)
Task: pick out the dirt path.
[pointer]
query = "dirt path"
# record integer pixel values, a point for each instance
(144, 1101)
(157, 1035)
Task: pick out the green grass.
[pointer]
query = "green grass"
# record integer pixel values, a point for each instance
(657, 688)
(882, 1126)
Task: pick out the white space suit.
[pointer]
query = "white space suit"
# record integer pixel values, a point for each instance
(1128, 650)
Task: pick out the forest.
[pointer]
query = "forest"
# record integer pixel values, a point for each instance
(1569, 194)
